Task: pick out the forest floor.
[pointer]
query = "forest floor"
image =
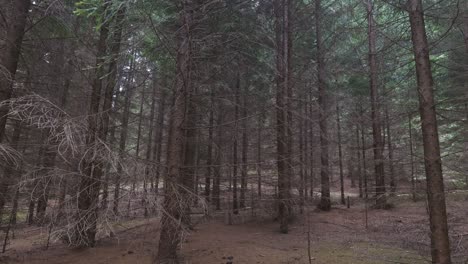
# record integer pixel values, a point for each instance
(398, 235)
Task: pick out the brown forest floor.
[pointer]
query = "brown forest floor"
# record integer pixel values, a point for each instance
(399, 235)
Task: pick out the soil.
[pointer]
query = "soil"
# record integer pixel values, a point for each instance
(398, 235)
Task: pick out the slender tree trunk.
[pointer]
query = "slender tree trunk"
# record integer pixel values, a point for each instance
(390, 153)
(245, 146)
(51, 145)
(282, 66)
(235, 163)
(359, 169)
(88, 192)
(381, 200)
(174, 197)
(159, 138)
(325, 202)
(8, 176)
(259, 155)
(217, 165)
(301, 160)
(311, 146)
(14, 14)
(340, 153)
(413, 181)
(465, 36)
(307, 165)
(189, 170)
(440, 243)
(122, 144)
(209, 161)
(364, 163)
(149, 146)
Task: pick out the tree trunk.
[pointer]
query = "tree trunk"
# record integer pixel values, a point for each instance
(174, 197)
(9, 170)
(390, 153)
(209, 161)
(440, 244)
(122, 143)
(413, 181)
(245, 146)
(259, 155)
(301, 160)
(325, 202)
(157, 150)
(282, 67)
(311, 146)
(381, 200)
(235, 203)
(364, 159)
(340, 153)
(88, 192)
(359, 168)
(11, 33)
(217, 166)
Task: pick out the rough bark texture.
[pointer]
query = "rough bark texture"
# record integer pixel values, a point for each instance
(87, 214)
(283, 158)
(174, 198)
(209, 161)
(325, 202)
(340, 153)
(378, 145)
(440, 244)
(390, 153)
(14, 14)
(235, 163)
(359, 168)
(245, 146)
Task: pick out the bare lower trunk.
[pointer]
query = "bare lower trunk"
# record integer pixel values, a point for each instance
(12, 27)
(440, 244)
(359, 168)
(174, 197)
(245, 146)
(390, 153)
(325, 202)
(282, 84)
(235, 163)
(209, 162)
(340, 153)
(381, 200)
(412, 176)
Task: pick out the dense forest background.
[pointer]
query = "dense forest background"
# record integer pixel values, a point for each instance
(113, 110)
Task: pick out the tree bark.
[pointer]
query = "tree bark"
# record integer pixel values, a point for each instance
(259, 156)
(245, 147)
(209, 161)
(283, 158)
(390, 153)
(359, 168)
(381, 199)
(340, 153)
(325, 202)
(11, 37)
(440, 244)
(235, 163)
(88, 192)
(174, 197)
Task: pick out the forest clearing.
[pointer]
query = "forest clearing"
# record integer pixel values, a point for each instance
(234, 131)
